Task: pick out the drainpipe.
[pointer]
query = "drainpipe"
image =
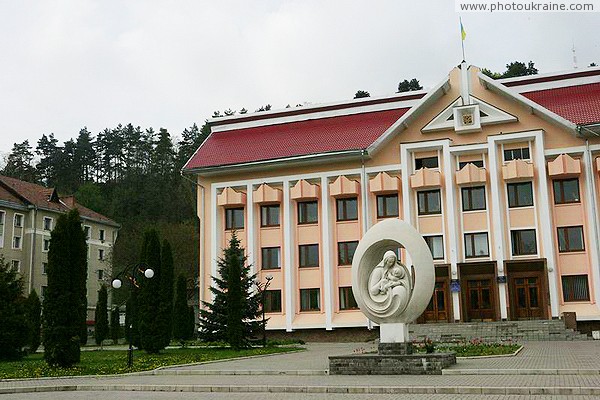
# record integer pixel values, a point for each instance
(32, 252)
(202, 238)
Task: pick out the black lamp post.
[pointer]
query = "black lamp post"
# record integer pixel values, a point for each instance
(262, 288)
(131, 274)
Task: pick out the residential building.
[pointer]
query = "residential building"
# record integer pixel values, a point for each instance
(500, 177)
(28, 213)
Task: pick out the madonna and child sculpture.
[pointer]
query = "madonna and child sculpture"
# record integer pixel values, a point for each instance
(389, 292)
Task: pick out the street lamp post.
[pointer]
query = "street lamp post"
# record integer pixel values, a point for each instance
(262, 288)
(131, 274)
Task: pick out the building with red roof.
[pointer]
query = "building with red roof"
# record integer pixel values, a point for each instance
(501, 177)
(28, 213)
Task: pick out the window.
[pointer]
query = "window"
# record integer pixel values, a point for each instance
(346, 252)
(87, 230)
(272, 301)
(16, 242)
(473, 198)
(566, 191)
(18, 222)
(101, 234)
(270, 258)
(426, 162)
(523, 242)
(520, 194)
(234, 218)
(429, 202)
(347, 209)
(2, 215)
(436, 245)
(570, 238)
(44, 268)
(477, 163)
(47, 223)
(100, 274)
(476, 245)
(387, 206)
(309, 255)
(269, 215)
(44, 290)
(347, 301)
(100, 254)
(308, 212)
(15, 265)
(575, 288)
(516, 154)
(46, 245)
(310, 299)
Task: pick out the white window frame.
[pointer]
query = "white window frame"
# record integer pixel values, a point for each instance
(15, 220)
(101, 255)
(15, 227)
(2, 223)
(44, 241)
(51, 223)
(89, 234)
(44, 268)
(102, 235)
(18, 265)
(20, 247)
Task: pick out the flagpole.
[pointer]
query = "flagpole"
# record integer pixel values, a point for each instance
(462, 38)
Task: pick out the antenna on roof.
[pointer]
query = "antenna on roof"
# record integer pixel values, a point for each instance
(574, 56)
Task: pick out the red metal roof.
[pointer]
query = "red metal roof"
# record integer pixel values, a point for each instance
(341, 133)
(579, 104)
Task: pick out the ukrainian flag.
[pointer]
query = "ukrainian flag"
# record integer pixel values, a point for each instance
(463, 34)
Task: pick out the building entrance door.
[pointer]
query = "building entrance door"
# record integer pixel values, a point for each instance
(527, 296)
(437, 310)
(480, 303)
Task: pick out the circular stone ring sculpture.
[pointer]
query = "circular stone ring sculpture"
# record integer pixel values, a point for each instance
(385, 289)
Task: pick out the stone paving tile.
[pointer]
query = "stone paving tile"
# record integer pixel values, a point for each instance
(272, 396)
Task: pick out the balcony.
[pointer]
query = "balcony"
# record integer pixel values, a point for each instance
(426, 178)
(266, 194)
(304, 190)
(344, 187)
(564, 166)
(230, 197)
(382, 183)
(517, 170)
(471, 174)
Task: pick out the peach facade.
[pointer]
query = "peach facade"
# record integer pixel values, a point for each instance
(514, 232)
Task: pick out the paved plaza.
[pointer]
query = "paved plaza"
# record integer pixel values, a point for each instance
(544, 370)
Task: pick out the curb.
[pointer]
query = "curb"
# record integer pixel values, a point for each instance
(549, 371)
(492, 356)
(593, 391)
(306, 372)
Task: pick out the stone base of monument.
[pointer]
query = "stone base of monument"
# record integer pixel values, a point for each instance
(392, 359)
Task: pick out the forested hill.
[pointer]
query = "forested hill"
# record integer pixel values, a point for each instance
(127, 173)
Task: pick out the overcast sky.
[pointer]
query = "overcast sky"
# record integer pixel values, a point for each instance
(69, 64)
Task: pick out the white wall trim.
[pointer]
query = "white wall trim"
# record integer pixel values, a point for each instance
(590, 185)
(288, 249)
(251, 229)
(533, 87)
(326, 253)
(565, 150)
(215, 234)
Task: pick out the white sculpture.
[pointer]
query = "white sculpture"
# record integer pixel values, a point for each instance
(384, 289)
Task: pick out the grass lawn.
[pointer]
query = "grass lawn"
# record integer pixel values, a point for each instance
(474, 350)
(106, 362)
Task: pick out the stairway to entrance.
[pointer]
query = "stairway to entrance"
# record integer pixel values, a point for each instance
(496, 331)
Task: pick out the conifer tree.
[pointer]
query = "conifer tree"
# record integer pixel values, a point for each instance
(232, 316)
(165, 311)
(13, 323)
(115, 325)
(180, 311)
(101, 317)
(65, 302)
(34, 321)
(148, 299)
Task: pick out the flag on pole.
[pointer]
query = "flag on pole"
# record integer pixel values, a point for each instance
(463, 34)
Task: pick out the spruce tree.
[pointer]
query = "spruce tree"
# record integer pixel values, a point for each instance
(148, 299)
(232, 316)
(13, 322)
(101, 316)
(65, 302)
(34, 321)
(165, 311)
(180, 311)
(115, 325)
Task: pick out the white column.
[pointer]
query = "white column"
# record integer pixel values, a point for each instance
(215, 234)
(251, 229)
(364, 191)
(592, 202)
(546, 230)
(406, 194)
(497, 222)
(288, 261)
(453, 227)
(326, 254)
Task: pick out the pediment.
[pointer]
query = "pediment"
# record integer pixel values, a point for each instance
(486, 114)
